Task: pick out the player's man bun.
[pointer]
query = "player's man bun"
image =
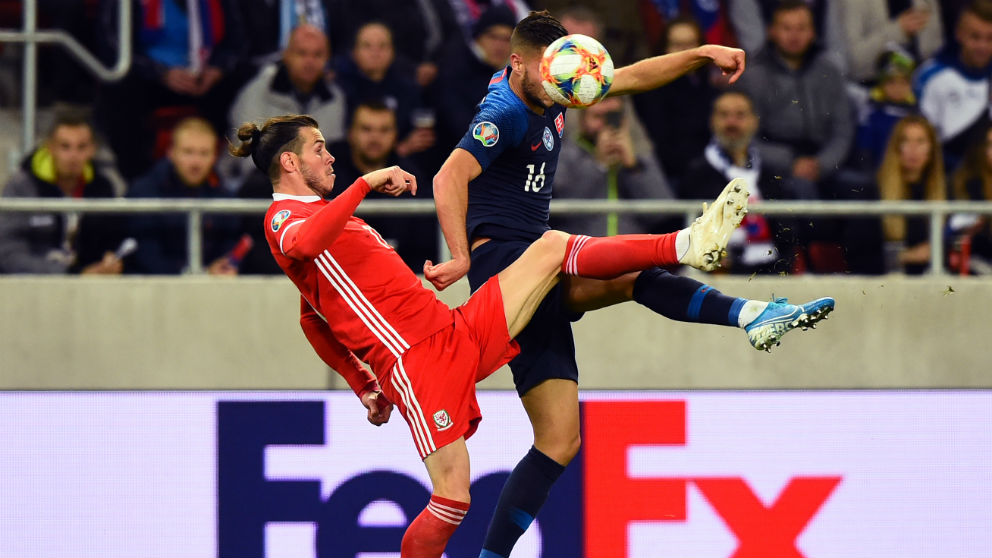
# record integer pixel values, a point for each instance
(277, 135)
(248, 133)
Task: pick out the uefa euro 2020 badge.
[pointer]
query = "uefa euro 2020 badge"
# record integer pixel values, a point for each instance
(278, 219)
(487, 133)
(442, 420)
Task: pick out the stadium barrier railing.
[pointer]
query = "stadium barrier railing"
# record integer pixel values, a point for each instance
(936, 212)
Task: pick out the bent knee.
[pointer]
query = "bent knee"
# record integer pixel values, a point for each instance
(561, 449)
(555, 238)
(553, 243)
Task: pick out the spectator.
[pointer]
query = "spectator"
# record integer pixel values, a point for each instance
(62, 167)
(973, 182)
(271, 22)
(468, 12)
(912, 169)
(760, 245)
(751, 20)
(711, 16)
(182, 64)
(187, 172)
(580, 19)
(465, 73)
(806, 127)
(806, 131)
(873, 27)
(370, 73)
(675, 116)
(371, 145)
(422, 30)
(953, 88)
(890, 100)
(299, 84)
(600, 162)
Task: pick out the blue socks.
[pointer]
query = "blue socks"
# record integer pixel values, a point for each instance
(685, 299)
(522, 497)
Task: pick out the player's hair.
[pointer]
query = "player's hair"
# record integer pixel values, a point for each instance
(537, 30)
(71, 116)
(982, 9)
(892, 186)
(277, 135)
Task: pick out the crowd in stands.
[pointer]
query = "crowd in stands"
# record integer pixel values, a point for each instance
(841, 100)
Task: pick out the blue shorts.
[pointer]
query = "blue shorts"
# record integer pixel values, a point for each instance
(547, 349)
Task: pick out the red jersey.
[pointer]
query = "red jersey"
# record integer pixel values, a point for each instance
(375, 307)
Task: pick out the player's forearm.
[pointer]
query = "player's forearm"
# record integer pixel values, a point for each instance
(335, 355)
(305, 241)
(656, 71)
(451, 201)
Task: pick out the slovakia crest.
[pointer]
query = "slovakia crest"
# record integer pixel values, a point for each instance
(487, 133)
(560, 123)
(442, 420)
(548, 139)
(278, 219)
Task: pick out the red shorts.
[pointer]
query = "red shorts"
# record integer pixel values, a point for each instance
(433, 383)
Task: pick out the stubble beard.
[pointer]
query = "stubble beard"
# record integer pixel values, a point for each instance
(322, 186)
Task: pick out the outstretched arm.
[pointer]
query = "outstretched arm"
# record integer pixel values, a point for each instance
(345, 363)
(317, 232)
(656, 71)
(451, 200)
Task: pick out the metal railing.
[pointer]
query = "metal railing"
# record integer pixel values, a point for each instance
(31, 37)
(936, 212)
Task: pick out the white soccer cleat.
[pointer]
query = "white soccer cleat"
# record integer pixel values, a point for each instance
(710, 232)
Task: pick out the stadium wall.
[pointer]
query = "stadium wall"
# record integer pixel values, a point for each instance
(211, 333)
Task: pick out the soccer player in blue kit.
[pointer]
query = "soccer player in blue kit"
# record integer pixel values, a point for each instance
(493, 200)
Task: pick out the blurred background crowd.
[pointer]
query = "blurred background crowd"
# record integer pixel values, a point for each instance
(841, 100)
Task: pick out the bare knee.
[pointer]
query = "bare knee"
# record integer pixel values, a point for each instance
(562, 448)
(453, 490)
(552, 245)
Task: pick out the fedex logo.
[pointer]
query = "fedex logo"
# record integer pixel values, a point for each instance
(592, 511)
(614, 499)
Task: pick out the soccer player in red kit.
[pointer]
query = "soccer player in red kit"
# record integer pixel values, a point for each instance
(361, 303)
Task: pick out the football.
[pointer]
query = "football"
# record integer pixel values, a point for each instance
(576, 71)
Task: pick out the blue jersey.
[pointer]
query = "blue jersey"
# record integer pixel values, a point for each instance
(518, 152)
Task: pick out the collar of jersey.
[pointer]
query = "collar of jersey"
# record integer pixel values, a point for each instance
(305, 199)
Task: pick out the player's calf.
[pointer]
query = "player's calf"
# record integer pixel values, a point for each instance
(428, 534)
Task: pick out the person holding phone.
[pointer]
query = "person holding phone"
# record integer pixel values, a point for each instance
(600, 161)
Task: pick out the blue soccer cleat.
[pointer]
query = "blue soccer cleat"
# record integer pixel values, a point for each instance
(780, 317)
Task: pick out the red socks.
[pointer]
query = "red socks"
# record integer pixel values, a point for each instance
(427, 536)
(610, 257)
